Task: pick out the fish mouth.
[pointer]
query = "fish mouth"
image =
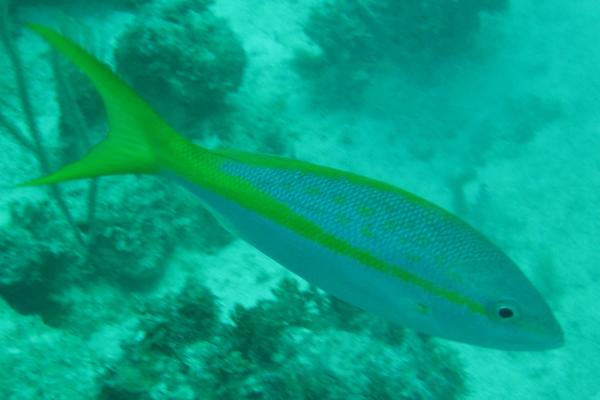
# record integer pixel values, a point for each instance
(551, 340)
(556, 341)
(556, 336)
(551, 337)
(548, 343)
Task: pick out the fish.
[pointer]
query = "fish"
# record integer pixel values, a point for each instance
(372, 244)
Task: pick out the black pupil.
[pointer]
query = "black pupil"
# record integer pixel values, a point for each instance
(505, 312)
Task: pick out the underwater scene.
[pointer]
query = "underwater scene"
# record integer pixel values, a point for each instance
(299, 199)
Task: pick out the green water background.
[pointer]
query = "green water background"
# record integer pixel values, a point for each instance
(126, 288)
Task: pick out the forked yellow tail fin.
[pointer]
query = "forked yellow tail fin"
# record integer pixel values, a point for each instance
(137, 134)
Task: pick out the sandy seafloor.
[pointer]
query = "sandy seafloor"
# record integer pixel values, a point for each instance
(541, 197)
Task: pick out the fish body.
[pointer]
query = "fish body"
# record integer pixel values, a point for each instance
(369, 243)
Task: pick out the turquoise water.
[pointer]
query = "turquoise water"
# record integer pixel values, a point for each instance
(126, 288)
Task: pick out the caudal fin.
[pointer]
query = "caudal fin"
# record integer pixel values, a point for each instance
(137, 135)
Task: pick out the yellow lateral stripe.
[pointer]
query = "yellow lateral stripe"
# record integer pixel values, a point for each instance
(140, 141)
(247, 195)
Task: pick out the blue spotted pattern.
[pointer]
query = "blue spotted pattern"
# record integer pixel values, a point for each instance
(387, 224)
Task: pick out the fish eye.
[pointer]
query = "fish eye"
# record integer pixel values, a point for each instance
(505, 310)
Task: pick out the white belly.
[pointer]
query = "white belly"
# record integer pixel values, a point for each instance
(335, 273)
